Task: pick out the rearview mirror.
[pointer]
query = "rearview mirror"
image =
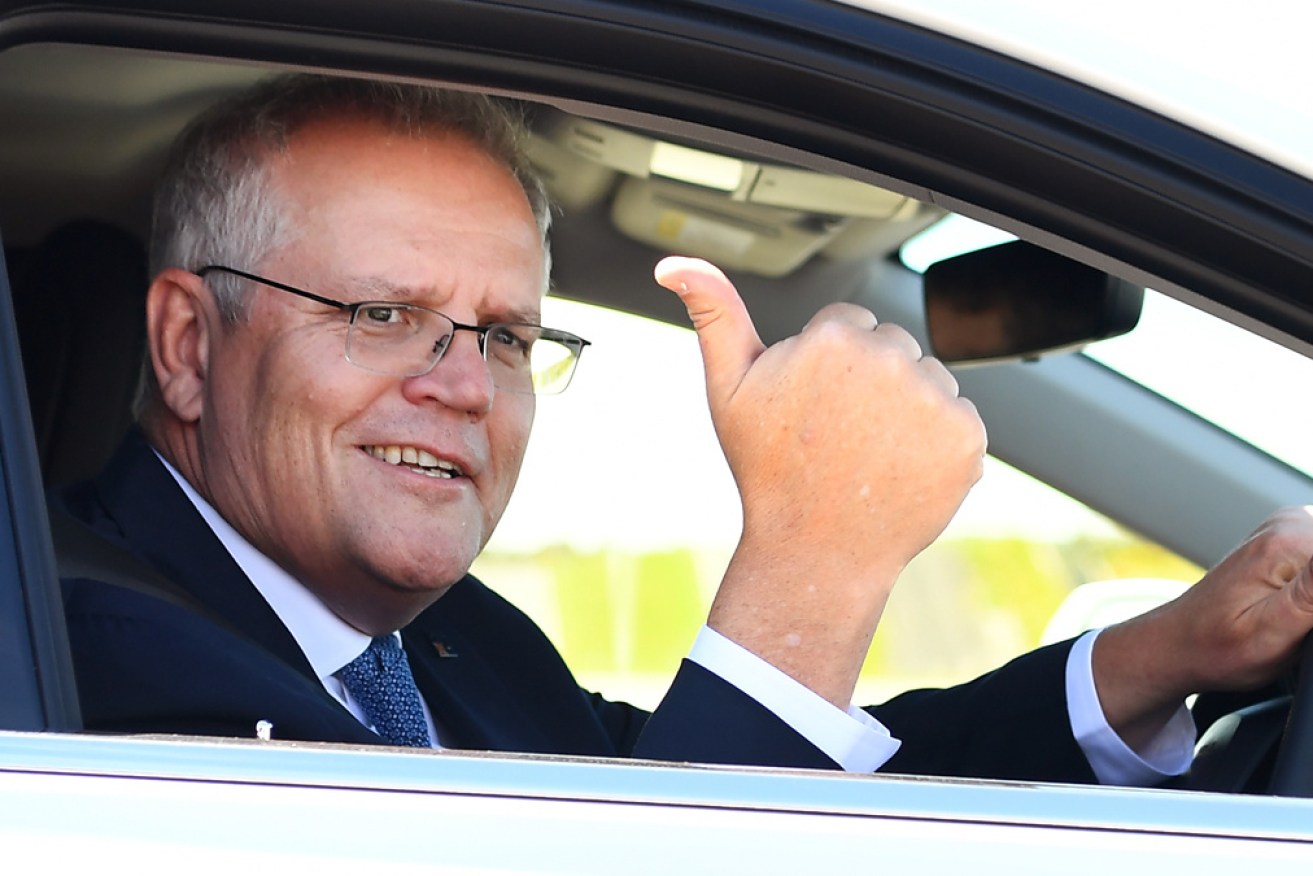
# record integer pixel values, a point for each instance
(1017, 301)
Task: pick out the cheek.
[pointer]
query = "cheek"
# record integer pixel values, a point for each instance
(305, 372)
(286, 412)
(508, 430)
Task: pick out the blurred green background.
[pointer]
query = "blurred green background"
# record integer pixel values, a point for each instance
(624, 620)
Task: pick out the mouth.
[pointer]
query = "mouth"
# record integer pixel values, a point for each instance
(415, 459)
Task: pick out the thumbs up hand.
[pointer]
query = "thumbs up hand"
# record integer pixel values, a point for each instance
(851, 452)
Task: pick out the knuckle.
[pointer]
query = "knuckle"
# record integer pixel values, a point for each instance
(1301, 591)
(890, 333)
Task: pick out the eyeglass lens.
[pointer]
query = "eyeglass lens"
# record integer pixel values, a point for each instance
(408, 340)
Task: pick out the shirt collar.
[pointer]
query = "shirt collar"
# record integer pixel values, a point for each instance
(328, 642)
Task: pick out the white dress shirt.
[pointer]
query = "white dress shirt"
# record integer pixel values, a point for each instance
(852, 738)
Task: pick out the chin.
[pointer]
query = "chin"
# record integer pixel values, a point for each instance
(434, 572)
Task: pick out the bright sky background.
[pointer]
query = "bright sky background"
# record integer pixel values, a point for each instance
(627, 457)
(1235, 378)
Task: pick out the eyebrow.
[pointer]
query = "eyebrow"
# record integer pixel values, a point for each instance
(379, 289)
(376, 288)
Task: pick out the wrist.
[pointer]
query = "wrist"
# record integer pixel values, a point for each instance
(812, 619)
(1138, 690)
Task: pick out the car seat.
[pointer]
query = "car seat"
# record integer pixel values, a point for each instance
(79, 302)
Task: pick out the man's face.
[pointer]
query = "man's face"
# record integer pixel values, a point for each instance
(291, 436)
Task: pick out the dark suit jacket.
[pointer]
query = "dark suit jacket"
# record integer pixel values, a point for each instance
(489, 675)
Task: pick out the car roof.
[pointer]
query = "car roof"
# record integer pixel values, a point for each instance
(1237, 71)
(110, 113)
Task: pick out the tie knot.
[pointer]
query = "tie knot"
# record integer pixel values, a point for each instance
(385, 649)
(380, 681)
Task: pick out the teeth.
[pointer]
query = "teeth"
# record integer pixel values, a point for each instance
(415, 459)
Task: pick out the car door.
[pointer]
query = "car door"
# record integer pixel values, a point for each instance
(810, 83)
(35, 672)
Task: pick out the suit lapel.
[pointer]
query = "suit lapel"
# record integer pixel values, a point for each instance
(160, 524)
(468, 699)
(502, 685)
(491, 679)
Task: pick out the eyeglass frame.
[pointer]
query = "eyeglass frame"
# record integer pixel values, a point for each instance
(570, 341)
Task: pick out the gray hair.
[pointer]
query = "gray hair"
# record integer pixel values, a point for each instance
(215, 204)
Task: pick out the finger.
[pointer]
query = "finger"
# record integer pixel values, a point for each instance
(729, 340)
(1282, 622)
(1299, 599)
(860, 318)
(968, 409)
(842, 311)
(935, 371)
(899, 337)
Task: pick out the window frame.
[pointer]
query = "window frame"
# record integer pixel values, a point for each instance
(851, 90)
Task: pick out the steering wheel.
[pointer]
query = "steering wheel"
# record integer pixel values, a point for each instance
(1266, 747)
(1292, 775)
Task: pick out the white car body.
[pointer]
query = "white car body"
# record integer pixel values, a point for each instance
(71, 802)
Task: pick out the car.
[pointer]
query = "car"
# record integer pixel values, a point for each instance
(807, 146)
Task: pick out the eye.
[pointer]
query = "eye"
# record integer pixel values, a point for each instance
(394, 321)
(381, 315)
(507, 341)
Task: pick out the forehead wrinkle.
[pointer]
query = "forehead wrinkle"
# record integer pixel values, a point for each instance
(381, 288)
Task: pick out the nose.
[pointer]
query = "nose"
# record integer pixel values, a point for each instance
(461, 379)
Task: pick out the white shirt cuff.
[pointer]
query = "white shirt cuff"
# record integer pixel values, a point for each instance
(1113, 761)
(852, 739)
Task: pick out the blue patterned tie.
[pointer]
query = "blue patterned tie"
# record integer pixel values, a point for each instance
(380, 681)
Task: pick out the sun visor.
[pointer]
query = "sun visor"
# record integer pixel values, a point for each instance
(744, 215)
(737, 236)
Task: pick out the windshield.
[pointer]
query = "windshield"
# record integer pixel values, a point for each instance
(1223, 373)
(1226, 374)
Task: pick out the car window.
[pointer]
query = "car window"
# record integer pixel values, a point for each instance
(1221, 371)
(1214, 368)
(626, 515)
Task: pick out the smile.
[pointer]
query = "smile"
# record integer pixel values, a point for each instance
(415, 459)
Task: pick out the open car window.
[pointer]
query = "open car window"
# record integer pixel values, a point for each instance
(625, 517)
(802, 151)
(795, 238)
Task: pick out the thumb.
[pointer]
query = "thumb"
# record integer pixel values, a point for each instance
(728, 338)
(1299, 598)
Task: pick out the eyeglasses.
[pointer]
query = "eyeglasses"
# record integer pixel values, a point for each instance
(406, 340)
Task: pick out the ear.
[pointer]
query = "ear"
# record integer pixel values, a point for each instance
(180, 318)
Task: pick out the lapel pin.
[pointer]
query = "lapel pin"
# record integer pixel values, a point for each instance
(444, 650)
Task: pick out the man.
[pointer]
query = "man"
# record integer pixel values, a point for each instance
(347, 279)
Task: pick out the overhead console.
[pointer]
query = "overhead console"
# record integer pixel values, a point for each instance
(744, 215)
